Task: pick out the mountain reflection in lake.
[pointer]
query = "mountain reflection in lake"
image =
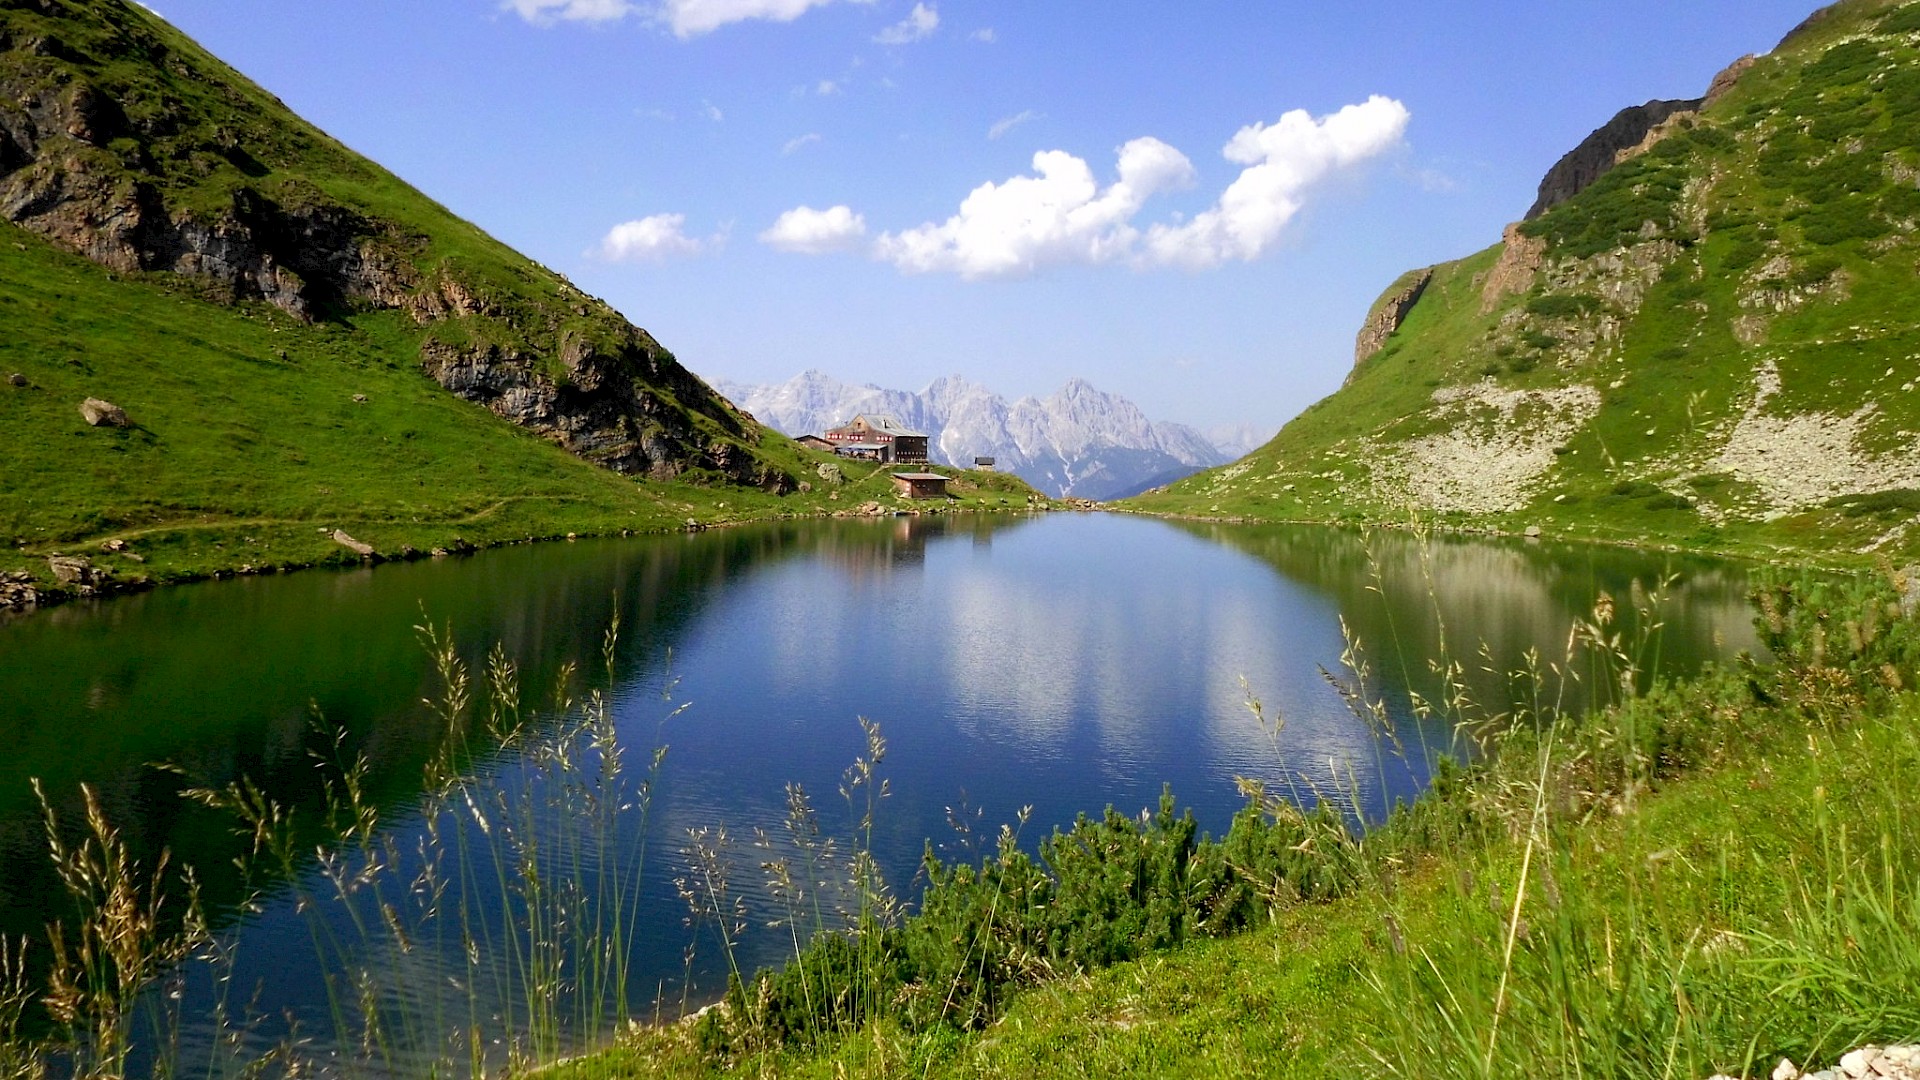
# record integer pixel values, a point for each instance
(1065, 662)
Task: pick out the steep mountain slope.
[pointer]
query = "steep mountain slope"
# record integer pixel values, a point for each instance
(1079, 441)
(1711, 342)
(175, 241)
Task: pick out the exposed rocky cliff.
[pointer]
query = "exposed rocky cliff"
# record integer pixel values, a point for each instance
(122, 141)
(1601, 151)
(1388, 313)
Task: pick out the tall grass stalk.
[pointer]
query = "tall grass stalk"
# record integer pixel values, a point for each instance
(497, 930)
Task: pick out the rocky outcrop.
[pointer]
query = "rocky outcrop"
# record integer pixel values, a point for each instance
(177, 169)
(1725, 81)
(1520, 259)
(1388, 314)
(1601, 150)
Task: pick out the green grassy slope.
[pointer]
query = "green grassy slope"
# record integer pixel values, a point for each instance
(282, 390)
(1713, 345)
(248, 446)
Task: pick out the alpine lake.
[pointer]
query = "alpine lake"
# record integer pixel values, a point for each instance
(1020, 669)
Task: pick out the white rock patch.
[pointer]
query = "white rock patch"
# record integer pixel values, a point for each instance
(1800, 461)
(1499, 444)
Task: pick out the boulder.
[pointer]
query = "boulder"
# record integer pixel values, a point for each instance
(17, 379)
(364, 550)
(72, 570)
(17, 591)
(104, 413)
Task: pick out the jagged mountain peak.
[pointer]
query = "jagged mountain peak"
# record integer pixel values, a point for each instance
(1079, 440)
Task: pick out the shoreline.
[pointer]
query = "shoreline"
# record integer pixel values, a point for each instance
(22, 593)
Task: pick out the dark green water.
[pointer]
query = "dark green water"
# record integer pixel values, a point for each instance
(1064, 663)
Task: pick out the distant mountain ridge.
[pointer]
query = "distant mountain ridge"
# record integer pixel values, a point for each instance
(1077, 442)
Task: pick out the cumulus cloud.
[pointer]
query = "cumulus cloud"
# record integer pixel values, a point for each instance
(919, 25)
(649, 239)
(546, 11)
(1005, 124)
(1283, 160)
(691, 18)
(686, 18)
(984, 35)
(1059, 215)
(801, 142)
(806, 231)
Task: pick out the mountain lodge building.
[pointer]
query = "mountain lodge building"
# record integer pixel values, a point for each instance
(899, 442)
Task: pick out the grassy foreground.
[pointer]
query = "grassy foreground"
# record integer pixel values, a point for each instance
(1705, 878)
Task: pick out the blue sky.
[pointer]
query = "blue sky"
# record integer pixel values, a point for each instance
(1192, 204)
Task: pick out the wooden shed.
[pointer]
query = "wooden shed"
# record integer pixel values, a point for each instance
(815, 442)
(920, 485)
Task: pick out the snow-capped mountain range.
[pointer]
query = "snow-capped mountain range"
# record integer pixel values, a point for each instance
(1078, 441)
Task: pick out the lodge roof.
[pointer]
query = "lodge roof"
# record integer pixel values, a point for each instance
(887, 424)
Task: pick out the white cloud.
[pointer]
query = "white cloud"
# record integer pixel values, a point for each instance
(1002, 126)
(984, 35)
(654, 239)
(1060, 215)
(691, 18)
(547, 11)
(1056, 217)
(919, 25)
(1282, 161)
(826, 88)
(807, 231)
(803, 141)
(686, 18)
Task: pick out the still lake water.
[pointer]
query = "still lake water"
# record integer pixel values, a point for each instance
(1062, 662)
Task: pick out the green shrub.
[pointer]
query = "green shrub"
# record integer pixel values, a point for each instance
(1892, 501)
(1742, 253)
(1816, 269)
(1848, 61)
(1903, 20)
(1635, 489)
(1563, 305)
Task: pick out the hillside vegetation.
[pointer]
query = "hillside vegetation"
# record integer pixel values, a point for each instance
(302, 344)
(1712, 345)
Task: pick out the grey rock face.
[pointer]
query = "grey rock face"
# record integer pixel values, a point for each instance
(1600, 151)
(1393, 311)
